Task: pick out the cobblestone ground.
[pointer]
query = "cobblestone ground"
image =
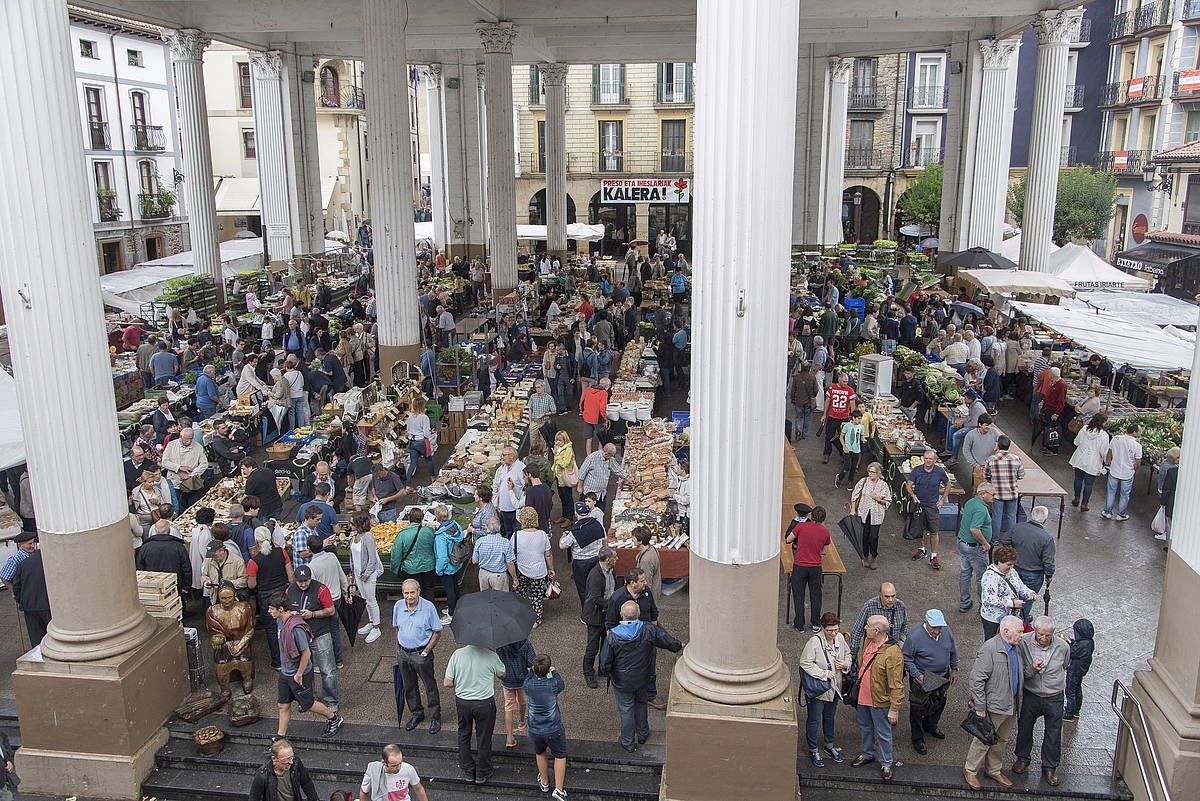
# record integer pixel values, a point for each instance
(1107, 571)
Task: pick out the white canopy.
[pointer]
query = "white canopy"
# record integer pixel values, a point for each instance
(1151, 308)
(1083, 269)
(1011, 248)
(1142, 346)
(1019, 282)
(12, 437)
(580, 232)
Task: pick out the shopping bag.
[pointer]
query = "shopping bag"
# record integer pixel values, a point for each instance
(980, 728)
(1159, 524)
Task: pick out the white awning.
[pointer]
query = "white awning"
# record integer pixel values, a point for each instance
(581, 232)
(237, 196)
(1019, 282)
(1083, 269)
(1151, 308)
(1011, 248)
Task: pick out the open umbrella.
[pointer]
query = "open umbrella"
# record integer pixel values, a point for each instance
(931, 242)
(351, 612)
(852, 527)
(491, 618)
(964, 308)
(977, 258)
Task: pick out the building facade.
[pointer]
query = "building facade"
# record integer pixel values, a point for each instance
(624, 122)
(126, 100)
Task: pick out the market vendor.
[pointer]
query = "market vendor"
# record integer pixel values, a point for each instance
(908, 392)
(164, 421)
(1101, 368)
(261, 483)
(185, 464)
(975, 408)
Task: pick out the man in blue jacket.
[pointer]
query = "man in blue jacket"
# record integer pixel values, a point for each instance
(627, 659)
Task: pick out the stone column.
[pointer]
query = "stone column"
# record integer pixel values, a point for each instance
(809, 175)
(501, 179)
(838, 85)
(272, 156)
(482, 133)
(1170, 690)
(554, 76)
(731, 721)
(432, 75)
(187, 52)
(101, 646)
(1055, 30)
(957, 127)
(306, 206)
(391, 183)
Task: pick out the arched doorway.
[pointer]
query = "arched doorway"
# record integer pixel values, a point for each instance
(331, 90)
(537, 216)
(860, 214)
(620, 226)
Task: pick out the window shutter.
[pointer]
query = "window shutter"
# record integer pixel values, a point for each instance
(595, 83)
(619, 126)
(662, 82)
(622, 97)
(687, 77)
(533, 83)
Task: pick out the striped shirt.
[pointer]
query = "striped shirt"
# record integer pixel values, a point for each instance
(541, 405)
(1004, 470)
(493, 553)
(897, 616)
(595, 472)
(10, 567)
(300, 543)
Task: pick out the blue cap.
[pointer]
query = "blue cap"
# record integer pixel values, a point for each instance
(582, 509)
(934, 617)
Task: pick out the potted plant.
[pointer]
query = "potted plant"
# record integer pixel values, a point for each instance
(109, 212)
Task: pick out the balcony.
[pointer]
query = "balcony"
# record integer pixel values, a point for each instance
(98, 136)
(156, 205)
(1185, 87)
(1141, 21)
(675, 161)
(922, 156)
(867, 98)
(1123, 162)
(1134, 92)
(349, 97)
(532, 162)
(1084, 36)
(609, 161)
(107, 201)
(1190, 14)
(609, 93)
(671, 92)
(864, 158)
(928, 97)
(1069, 157)
(1074, 97)
(148, 138)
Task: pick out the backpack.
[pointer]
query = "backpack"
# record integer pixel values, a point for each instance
(460, 552)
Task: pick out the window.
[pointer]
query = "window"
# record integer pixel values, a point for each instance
(134, 57)
(610, 145)
(103, 173)
(146, 177)
(97, 127)
(245, 98)
(248, 149)
(608, 84)
(537, 86)
(330, 87)
(541, 146)
(106, 198)
(1120, 130)
(1191, 207)
(926, 143)
(1146, 137)
(674, 145)
(1192, 131)
(928, 86)
(861, 152)
(674, 82)
(87, 49)
(138, 101)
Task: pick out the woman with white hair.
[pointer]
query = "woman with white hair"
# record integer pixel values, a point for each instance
(268, 572)
(1054, 402)
(279, 400)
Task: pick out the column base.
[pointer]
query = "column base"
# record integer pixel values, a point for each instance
(712, 747)
(1167, 691)
(102, 747)
(390, 354)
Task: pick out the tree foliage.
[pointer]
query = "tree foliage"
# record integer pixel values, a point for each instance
(921, 203)
(1083, 205)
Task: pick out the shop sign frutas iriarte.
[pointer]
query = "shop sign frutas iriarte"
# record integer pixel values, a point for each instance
(645, 190)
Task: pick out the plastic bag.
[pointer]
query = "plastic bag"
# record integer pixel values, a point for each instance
(1159, 524)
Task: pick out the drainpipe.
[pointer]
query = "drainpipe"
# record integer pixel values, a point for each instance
(112, 47)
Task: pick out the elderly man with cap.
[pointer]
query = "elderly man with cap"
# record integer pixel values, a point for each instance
(1035, 549)
(1046, 659)
(223, 563)
(584, 538)
(931, 661)
(29, 588)
(26, 543)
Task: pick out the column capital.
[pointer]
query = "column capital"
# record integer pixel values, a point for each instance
(266, 63)
(187, 44)
(497, 37)
(554, 73)
(997, 53)
(433, 74)
(839, 68)
(1059, 27)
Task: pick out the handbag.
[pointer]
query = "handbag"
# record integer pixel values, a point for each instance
(814, 687)
(191, 484)
(553, 590)
(850, 687)
(571, 477)
(980, 728)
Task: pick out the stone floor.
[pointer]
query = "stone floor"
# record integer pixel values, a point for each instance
(1124, 609)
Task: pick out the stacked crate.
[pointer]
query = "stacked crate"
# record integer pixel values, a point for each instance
(159, 595)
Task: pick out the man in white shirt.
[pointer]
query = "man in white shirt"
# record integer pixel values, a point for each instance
(445, 325)
(508, 490)
(1123, 458)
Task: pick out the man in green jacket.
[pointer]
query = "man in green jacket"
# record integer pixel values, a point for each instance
(412, 552)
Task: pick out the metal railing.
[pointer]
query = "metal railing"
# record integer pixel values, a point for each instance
(921, 156)
(928, 96)
(1149, 15)
(106, 199)
(1069, 156)
(1148, 88)
(352, 97)
(609, 93)
(98, 136)
(590, 162)
(864, 158)
(1190, 11)
(1123, 162)
(151, 206)
(610, 161)
(1192, 79)
(1085, 30)
(148, 138)
(1147, 760)
(1075, 95)
(867, 97)
(680, 91)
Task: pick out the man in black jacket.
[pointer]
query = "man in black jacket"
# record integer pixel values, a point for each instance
(228, 452)
(285, 769)
(7, 771)
(598, 588)
(261, 483)
(627, 658)
(29, 588)
(163, 552)
(635, 590)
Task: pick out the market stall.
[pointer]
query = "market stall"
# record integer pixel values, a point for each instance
(1018, 282)
(646, 498)
(1149, 308)
(12, 436)
(795, 490)
(1121, 341)
(1083, 269)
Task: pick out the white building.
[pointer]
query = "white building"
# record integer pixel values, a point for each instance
(127, 112)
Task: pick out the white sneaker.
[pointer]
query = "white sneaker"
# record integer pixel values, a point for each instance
(373, 635)
(366, 628)
(445, 610)
(447, 620)
(1160, 537)
(1120, 518)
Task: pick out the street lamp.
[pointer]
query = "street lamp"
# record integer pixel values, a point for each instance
(858, 199)
(1150, 175)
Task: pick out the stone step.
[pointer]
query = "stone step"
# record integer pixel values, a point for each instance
(912, 781)
(181, 784)
(510, 776)
(365, 741)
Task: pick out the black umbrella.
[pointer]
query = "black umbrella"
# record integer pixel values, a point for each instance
(977, 258)
(852, 527)
(1046, 602)
(351, 612)
(492, 618)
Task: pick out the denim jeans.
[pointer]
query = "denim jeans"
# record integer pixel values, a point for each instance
(1004, 516)
(821, 715)
(803, 419)
(1049, 707)
(1118, 487)
(388, 515)
(1084, 482)
(300, 411)
(956, 440)
(974, 560)
(414, 456)
(1033, 581)
(874, 725)
(324, 660)
(631, 706)
(450, 585)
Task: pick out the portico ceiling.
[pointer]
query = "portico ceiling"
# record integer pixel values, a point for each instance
(578, 31)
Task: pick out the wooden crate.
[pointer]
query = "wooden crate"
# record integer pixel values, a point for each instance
(158, 594)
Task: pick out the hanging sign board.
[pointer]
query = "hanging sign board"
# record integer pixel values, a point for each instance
(645, 190)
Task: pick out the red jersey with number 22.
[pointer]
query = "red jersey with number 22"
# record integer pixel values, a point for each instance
(839, 400)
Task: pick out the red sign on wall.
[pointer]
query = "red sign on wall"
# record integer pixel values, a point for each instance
(1140, 226)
